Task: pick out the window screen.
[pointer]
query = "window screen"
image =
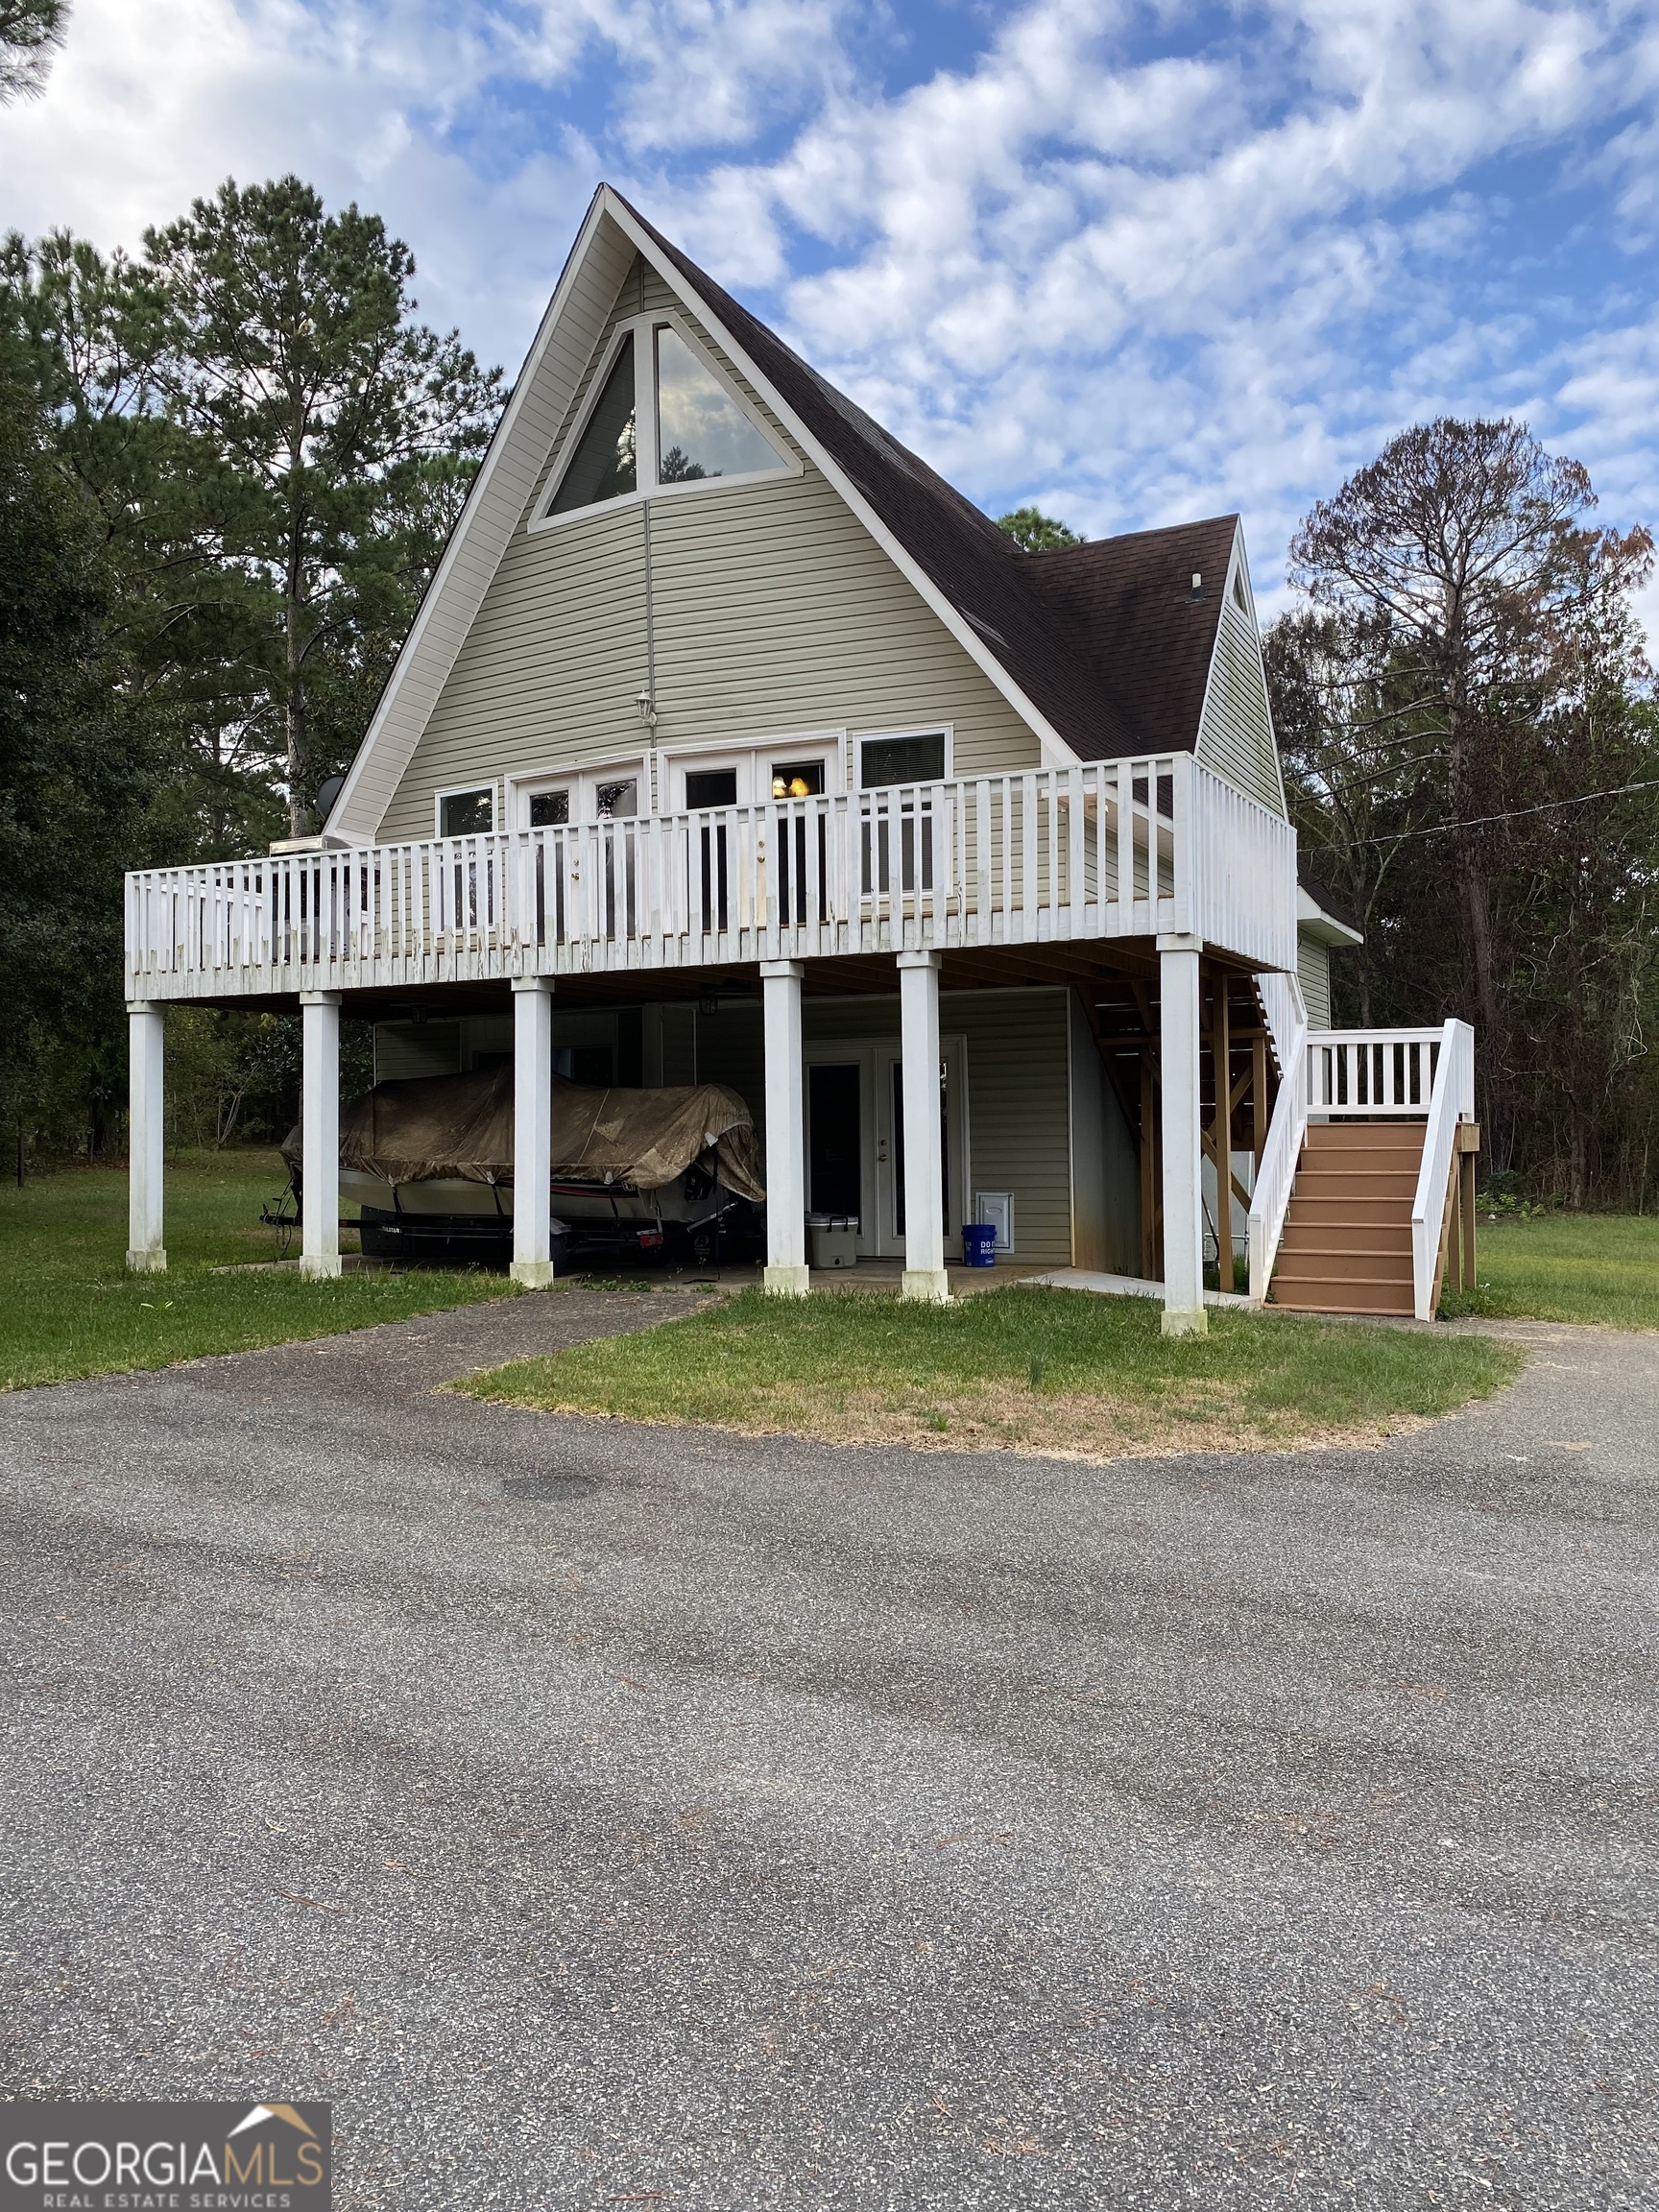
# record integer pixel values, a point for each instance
(902, 760)
(710, 787)
(548, 809)
(465, 813)
(604, 466)
(797, 779)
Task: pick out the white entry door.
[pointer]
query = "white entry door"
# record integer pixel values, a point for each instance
(842, 1174)
(855, 1145)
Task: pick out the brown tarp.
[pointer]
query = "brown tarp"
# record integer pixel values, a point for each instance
(461, 1127)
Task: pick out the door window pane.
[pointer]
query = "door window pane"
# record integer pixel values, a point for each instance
(797, 779)
(604, 466)
(886, 760)
(548, 809)
(898, 1145)
(467, 813)
(835, 1167)
(701, 431)
(710, 787)
(616, 799)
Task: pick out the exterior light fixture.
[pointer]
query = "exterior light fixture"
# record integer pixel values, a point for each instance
(647, 711)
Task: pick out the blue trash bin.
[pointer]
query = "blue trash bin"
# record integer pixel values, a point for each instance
(979, 1243)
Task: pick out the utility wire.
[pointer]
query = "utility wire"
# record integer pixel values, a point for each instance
(1485, 821)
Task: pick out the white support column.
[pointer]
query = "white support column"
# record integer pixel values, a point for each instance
(532, 1130)
(1178, 1023)
(925, 1275)
(146, 1252)
(320, 1134)
(786, 1275)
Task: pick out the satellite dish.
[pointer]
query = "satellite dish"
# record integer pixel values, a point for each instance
(326, 794)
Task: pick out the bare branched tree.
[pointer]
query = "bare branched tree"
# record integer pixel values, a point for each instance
(1456, 540)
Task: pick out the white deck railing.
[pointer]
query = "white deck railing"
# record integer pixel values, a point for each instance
(1115, 849)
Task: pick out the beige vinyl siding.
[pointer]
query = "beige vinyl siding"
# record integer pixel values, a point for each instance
(1313, 973)
(1019, 1110)
(730, 1047)
(678, 1043)
(495, 511)
(1105, 1170)
(406, 1048)
(450, 1047)
(774, 612)
(777, 611)
(550, 671)
(1236, 735)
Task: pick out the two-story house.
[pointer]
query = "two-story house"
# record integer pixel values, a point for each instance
(732, 744)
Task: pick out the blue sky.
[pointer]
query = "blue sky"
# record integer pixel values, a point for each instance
(1136, 262)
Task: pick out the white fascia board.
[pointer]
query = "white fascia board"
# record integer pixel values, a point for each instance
(492, 507)
(1313, 922)
(1238, 565)
(1056, 752)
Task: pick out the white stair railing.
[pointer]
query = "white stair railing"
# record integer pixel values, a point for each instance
(1451, 1101)
(1371, 1074)
(1288, 1018)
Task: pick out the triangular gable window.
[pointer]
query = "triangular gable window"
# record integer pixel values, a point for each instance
(604, 464)
(704, 433)
(701, 430)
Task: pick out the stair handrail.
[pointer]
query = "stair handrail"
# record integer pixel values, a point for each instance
(1452, 1100)
(1287, 1132)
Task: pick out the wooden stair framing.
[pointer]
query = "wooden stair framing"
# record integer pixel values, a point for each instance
(1124, 1013)
(1347, 1243)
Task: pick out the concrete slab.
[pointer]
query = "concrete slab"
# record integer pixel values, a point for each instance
(1118, 1285)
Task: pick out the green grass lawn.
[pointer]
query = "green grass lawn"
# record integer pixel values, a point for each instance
(1567, 1267)
(1038, 1370)
(68, 1307)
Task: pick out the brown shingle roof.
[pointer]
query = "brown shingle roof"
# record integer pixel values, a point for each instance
(1147, 634)
(1106, 640)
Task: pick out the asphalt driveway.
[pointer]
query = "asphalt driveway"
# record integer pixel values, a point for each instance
(604, 1814)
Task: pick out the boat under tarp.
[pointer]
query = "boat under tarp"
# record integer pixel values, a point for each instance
(459, 1128)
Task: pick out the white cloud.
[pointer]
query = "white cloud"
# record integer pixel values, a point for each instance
(1135, 259)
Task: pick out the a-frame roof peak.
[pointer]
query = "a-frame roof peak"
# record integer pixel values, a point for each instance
(1037, 624)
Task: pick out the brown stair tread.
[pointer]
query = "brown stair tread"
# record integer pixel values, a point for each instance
(1350, 1279)
(1347, 1244)
(1339, 1305)
(1380, 1255)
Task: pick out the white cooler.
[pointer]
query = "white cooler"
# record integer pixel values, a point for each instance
(832, 1239)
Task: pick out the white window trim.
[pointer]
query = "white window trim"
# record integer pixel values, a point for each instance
(643, 328)
(859, 738)
(672, 758)
(467, 791)
(520, 788)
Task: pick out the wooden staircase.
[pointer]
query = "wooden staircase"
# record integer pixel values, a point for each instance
(1347, 1243)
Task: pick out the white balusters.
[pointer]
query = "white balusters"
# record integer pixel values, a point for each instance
(995, 859)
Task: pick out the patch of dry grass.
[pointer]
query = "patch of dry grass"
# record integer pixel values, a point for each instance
(1035, 1371)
